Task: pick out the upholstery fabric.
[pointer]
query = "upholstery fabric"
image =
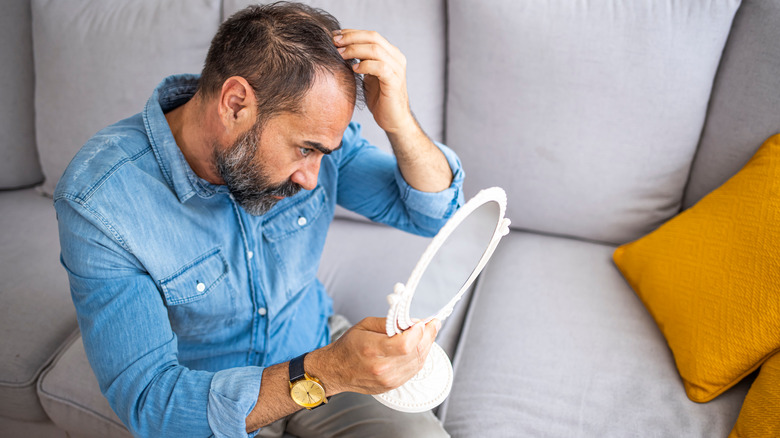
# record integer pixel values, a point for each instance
(760, 414)
(124, 49)
(743, 109)
(71, 396)
(35, 308)
(362, 262)
(418, 29)
(18, 157)
(557, 345)
(588, 114)
(710, 278)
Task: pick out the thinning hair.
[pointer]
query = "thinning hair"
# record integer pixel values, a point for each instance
(279, 48)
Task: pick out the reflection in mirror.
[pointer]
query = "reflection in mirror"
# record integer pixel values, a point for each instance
(454, 262)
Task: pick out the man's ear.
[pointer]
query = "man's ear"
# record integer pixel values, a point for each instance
(237, 105)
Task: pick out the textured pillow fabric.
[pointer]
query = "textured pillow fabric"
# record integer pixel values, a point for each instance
(98, 62)
(760, 414)
(710, 278)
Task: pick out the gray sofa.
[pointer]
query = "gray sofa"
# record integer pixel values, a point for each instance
(600, 119)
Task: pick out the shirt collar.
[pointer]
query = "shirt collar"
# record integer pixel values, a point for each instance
(172, 92)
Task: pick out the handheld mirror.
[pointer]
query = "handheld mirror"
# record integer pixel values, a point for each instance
(445, 271)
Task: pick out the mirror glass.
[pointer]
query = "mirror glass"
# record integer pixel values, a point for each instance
(454, 262)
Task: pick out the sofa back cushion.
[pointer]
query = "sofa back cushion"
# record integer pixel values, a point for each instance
(588, 114)
(744, 106)
(19, 160)
(98, 62)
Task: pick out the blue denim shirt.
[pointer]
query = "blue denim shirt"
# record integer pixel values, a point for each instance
(182, 297)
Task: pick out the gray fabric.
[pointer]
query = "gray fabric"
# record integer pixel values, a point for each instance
(18, 157)
(26, 429)
(36, 313)
(418, 29)
(558, 345)
(587, 113)
(361, 264)
(71, 396)
(351, 415)
(98, 62)
(744, 108)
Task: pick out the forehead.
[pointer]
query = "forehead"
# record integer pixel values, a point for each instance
(324, 114)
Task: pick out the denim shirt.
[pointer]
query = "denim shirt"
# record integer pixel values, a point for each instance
(182, 297)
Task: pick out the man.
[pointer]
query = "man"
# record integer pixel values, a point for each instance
(192, 232)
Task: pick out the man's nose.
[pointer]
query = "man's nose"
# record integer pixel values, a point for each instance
(306, 176)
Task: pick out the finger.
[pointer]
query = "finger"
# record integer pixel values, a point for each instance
(373, 324)
(380, 70)
(375, 52)
(346, 37)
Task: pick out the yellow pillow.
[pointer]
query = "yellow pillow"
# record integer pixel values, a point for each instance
(760, 414)
(710, 277)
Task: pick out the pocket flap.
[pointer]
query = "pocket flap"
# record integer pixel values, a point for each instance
(195, 279)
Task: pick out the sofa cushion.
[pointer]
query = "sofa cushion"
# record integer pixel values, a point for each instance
(556, 345)
(36, 313)
(588, 114)
(743, 108)
(19, 165)
(71, 396)
(710, 278)
(124, 49)
(362, 262)
(760, 414)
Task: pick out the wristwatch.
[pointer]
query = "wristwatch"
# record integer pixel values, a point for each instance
(305, 390)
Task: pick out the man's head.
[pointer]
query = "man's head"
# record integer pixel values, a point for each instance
(277, 63)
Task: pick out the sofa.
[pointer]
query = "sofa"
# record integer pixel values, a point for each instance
(601, 120)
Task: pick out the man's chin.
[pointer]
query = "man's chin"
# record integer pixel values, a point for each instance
(259, 207)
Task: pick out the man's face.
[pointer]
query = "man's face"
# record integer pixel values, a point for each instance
(266, 165)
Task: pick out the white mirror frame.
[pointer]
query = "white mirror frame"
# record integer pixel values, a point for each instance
(432, 384)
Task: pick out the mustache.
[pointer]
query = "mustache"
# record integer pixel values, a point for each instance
(285, 189)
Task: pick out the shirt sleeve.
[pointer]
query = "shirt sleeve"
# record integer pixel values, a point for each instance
(131, 346)
(370, 183)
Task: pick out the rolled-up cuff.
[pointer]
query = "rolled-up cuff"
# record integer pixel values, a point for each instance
(439, 205)
(232, 396)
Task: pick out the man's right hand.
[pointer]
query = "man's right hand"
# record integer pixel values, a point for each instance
(367, 361)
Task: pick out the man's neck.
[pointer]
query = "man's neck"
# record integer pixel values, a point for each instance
(190, 125)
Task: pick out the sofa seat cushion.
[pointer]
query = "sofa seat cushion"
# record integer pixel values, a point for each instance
(363, 261)
(557, 344)
(71, 396)
(36, 312)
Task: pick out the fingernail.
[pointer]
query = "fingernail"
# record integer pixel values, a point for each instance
(338, 38)
(342, 49)
(337, 32)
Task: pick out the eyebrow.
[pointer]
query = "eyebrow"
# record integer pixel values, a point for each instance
(320, 147)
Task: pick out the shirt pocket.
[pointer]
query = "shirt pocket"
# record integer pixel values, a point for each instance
(296, 237)
(200, 299)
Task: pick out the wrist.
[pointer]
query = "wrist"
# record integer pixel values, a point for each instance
(319, 364)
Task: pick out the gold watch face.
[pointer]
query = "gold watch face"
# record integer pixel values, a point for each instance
(307, 393)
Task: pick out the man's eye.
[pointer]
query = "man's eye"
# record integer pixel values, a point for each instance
(304, 151)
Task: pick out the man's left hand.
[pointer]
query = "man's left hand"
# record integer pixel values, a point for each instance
(384, 70)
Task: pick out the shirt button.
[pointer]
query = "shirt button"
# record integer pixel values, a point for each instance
(262, 311)
(200, 287)
(301, 221)
(250, 254)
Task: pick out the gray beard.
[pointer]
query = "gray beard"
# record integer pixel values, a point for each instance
(248, 181)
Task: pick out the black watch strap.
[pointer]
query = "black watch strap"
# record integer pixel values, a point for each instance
(296, 368)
